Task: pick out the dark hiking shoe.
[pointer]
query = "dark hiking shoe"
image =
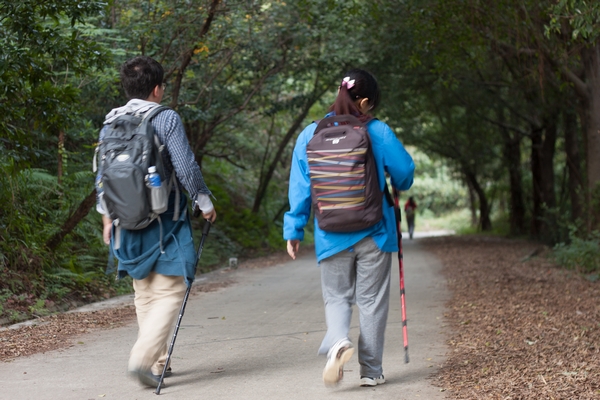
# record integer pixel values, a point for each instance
(146, 378)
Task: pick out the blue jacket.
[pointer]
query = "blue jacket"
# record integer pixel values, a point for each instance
(390, 157)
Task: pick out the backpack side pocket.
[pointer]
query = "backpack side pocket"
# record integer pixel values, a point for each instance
(159, 198)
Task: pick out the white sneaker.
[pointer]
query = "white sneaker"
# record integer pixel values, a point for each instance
(367, 381)
(338, 355)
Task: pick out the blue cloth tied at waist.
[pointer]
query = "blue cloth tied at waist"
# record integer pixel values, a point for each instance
(140, 250)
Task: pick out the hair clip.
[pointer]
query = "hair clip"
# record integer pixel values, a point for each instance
(348, 83)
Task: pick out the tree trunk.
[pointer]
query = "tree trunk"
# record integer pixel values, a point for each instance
(316, 95)
(573, 161)
(548, 150)
(512, 157)
(279, 214)
(186, 57)
(536, 175)
(472, 203)
(591, 62)
(61, 156)
(262, 188)
(485, 224)
(543, 148)
(84, 208)
(199, 134)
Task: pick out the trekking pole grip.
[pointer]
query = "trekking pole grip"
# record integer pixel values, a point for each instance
(397, 213)
(206, 228)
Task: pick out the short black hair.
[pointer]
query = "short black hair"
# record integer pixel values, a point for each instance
(140, 75)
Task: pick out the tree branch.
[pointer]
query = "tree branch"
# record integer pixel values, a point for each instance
(227, 158)
(84, 208)
(187, 56)
(315, 96)
(228, 58)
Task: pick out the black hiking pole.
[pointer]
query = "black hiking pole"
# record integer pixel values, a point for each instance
(401, 265)
(182, 309)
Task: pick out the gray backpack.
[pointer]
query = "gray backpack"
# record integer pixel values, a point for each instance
(343, 175)
(127, 149)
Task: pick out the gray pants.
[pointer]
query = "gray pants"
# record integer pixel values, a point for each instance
(361, 275)
(410, 220)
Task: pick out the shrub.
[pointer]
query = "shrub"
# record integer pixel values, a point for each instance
(581, 254)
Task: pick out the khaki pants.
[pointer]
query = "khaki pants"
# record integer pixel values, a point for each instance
(157, 302)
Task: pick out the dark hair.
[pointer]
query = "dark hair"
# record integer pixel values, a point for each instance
(365, 87)
(140, 75)
(411, 201)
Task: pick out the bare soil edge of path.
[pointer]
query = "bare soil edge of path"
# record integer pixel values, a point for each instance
(62, 330)
(521, 328)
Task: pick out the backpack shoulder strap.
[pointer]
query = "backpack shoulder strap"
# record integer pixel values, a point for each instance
(148, 115)
(159, 147)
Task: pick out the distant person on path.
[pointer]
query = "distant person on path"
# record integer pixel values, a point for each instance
(409, 210)
(161, 257)
(355, 266)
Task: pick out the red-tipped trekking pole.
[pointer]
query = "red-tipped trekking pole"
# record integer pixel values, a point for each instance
(401, 266)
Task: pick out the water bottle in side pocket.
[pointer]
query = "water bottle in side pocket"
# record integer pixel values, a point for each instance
(159, 198)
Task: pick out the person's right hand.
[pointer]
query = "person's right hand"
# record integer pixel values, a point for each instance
(107, 229)
(210, 216)
(292, 247)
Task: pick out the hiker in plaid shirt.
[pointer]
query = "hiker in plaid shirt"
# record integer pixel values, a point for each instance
(161, 257)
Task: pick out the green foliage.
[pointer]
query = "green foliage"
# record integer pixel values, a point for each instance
(30, 198)
(41, 48)
(582, 17)
(34, 202)
(457, 220)
(448, 71)
(248, 230)
(581, 254)
(436, 188)
(47, 55)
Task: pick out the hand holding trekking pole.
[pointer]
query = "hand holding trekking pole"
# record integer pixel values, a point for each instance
(210, 216)
(205, 231)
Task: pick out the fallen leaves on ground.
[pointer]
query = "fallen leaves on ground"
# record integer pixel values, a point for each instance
(59, 331)
(522, 328)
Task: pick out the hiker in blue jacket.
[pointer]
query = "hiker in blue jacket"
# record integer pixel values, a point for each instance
(355, 266)
(161, 257)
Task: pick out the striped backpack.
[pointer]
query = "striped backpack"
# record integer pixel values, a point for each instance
(343, 175)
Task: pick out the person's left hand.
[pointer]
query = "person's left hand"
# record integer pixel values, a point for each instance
(292, 247)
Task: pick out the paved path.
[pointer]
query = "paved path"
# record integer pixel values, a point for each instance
(256, 339)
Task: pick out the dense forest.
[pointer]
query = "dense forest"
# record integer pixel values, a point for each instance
(500, 98)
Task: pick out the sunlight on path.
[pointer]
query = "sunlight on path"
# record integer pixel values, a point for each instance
(425, 234)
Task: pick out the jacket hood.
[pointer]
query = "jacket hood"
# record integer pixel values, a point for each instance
(134, 106)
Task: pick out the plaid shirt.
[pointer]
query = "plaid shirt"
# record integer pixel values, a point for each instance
(177, 155)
